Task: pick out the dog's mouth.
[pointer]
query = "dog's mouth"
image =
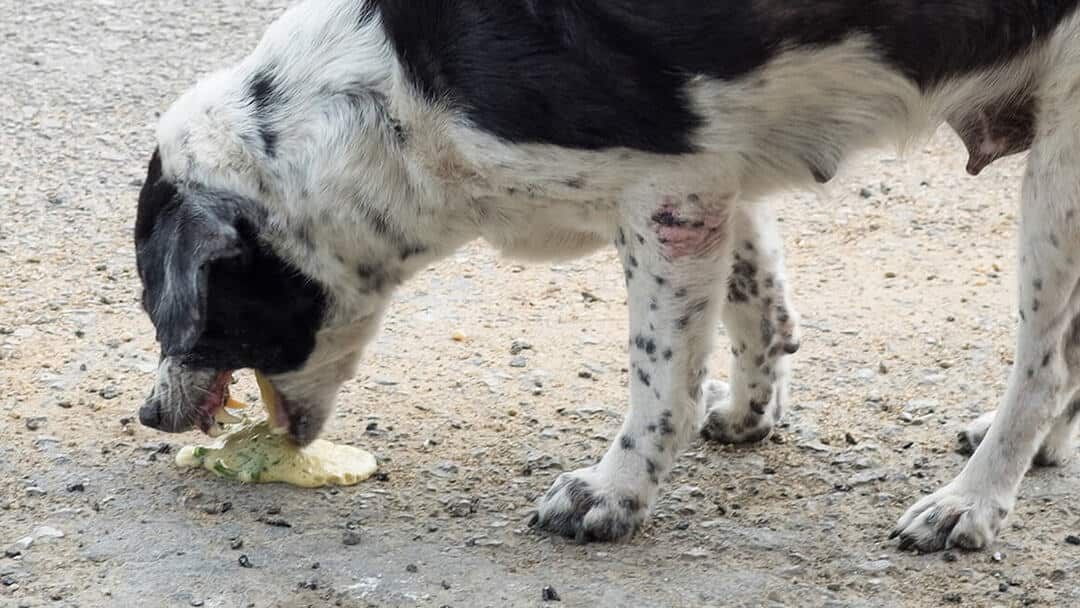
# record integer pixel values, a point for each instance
(186, 399)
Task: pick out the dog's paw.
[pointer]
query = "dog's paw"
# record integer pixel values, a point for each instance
(582, 506)
(972, 436)
(724, 425)
(951, 517)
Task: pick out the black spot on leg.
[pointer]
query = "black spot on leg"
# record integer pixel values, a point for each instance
(629, 275)
(1030, 372)
(759, 361)
(576, 183)
(633, 261)
(748, 246)
(1022, 316)
(668, 354)
(680, 293)
(651, 428)
(1046, 360)
(650, 346)
(644, 377)
(1054, 240)
(650, 468)
(693, 199)
(656, 393)
(660, 280)
(665, 423)
(622, 237)
(653, 305)
(1035, 305)
(768, 332)
(683, 322)
(757, 407)
(640, 239)
(626, 442)
(409, 251)
(1037, 284)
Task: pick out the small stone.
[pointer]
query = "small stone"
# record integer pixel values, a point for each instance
(519, 345)
(351, 538)
(952, 598)
(445, 585)
(876, 566)
(1003, 587)
(411, 568)
(850, 439)
(236, 543)
(695, 554)
(998, 557)
(548, 594)
(1072, 539)
(948, 557)
(197, 602)
(890, 275)
(882, 369)
(459, 337)
(865, 192)
(46, 533)
(586, 374)
(245, 562)
(109, 392)
(461, 508)
(77, 487)
(35, 422)
(35, 492)
(519, 361)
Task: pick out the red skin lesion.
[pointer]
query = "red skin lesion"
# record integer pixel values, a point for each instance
(693, 228)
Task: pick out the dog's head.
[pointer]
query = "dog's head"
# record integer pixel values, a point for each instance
(221, 298)
(269, 234)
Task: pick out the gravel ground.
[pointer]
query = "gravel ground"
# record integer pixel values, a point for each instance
(903, 272)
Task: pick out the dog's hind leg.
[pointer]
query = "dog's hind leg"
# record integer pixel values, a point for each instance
(762, 328)
(673, 240)
(969, 511)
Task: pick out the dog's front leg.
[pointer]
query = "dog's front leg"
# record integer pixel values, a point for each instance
(674, 244)
(969, 511)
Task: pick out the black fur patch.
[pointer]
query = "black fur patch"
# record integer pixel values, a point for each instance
(265, 96)
(597, 74)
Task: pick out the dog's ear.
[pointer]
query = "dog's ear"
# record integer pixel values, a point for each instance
(178, 236)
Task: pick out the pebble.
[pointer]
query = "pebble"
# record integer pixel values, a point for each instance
(445, 469)
(695, 554)
(461, 508)
(411, 568)
(519, 361)
(197, 602)
(35, 422)
(35, 492)
(998, 557)
(876, 567)
(77, 487)
(245, 562)
(1072, 539)
(351, 538)
(548, 594)
(519, 345)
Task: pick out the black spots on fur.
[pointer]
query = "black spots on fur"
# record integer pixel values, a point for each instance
(774, 350)
(1054, 241)
(680, 293)
(656, 393)
(664, 423)
(1037, 284)
(748, 245)
(735, 293)
(653, 305)
(668, 354)
(1035, 305)
(759, 361)
(1023, 317)
(1046, 359)
(629, 503)
(648, 345)
(644, 377)
(768, 331)
(683, 322)
(633, 261)
(651, 428)
(667, 217)
(626, 442)
(650, 468)
(374, 279)
(621, 238)
(769, 282)
(409, 251)
(629, 275)
(758, 407)
(693, 199)
(1030, 372)
(265, 96)
(661, 281)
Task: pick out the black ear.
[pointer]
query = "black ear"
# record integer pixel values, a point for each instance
(179, 234)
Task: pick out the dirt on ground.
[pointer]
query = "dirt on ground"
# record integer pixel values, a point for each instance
(903, 271)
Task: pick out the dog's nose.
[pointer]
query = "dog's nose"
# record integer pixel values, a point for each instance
(150, 413)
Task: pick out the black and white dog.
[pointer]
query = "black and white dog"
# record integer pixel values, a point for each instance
(364, 139)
